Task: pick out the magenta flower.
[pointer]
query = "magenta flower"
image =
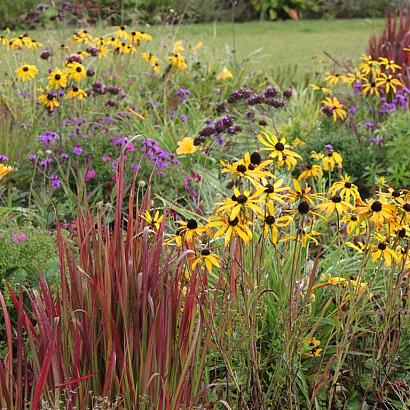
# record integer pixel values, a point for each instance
(19, 237)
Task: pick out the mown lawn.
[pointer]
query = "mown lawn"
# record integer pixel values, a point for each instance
(282, 43)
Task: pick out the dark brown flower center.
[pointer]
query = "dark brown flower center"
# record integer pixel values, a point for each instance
(406, 207)
(353, 218)
(241, 168)
(241, 199)
(382, 246)
(348, 185)
(57, 77)
(234, 222)
(205, 252)
(303, 207)
(78, 69)
(269, 189)
(192, 224)
(270, 219)
(256, 158)
(279, 146)
(336, 199)
(376, 206)
(25, 68)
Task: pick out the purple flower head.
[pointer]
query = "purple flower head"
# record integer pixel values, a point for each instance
(106, 158)
(183, 118)
(357, 87)
(32, 157)
(90, 174)
(135, 168)
(45, 163)
(329, 148)
(352, 110)
(183, 93)
(64, 156)
(3, 158)
(19, 237)
(55, 182)
(77, 150)
(47, 137)
(45, 54)
(74, 59)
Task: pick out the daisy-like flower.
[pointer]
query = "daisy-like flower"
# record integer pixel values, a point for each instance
(135, 37)
(152, 60)
(403, 209)
(371, 87)
(251, 167)
(197, 46)
(336, 107)
(274, 191)
(344, 188)
(310, 171)
(303, 236)
(278, 148)
(153, 220)
(57, 79)
(207, 258)
(178, 61)
(335, 203)
(230, 228)
(76, 71)
(382, 251)
(388, 82)
(331, 159)
(324, 90)
(240, 201)
(312, 347)
(224, 74)
(186, 146)
(34, 44)
(271, 223)
(368, 65)
(287, 162)
(177, 47)
(389, 65)
(5, 170)
(354, 225)
(121, 32)
(76, 92)
(190, 229)
(334, 79)
(377, 212)
(26, 72)
(297, 193)
(49, 100)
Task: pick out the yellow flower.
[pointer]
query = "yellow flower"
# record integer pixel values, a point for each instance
(279, 149)
(371, 87)
(377, 212)
(5, 170)
(302, 236)
(335, 203)
(197, 46)
(388, 82)
(389, 64)
(186, 146)
(178, 61)
(76, 92)
(338, 112)
(121, 32)
(33, 44)
(208, 258)
(354, 226)
(271, 223)
(333, 78)
(313, 349)
(76, 71)
(49, 100)
(383, 251)
(368, 65)
(310, 171)
(324, 90)
(225, 74)
(346, 189)
(57, 79)
(177, 47)
(155, 220)
(190, 229)
(331, 159)
(26, 72)
(229, 228)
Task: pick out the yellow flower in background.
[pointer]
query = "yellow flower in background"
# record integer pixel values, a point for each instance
(389, 65)
(76, 92)
(121, 32)
(230, 228)
(377, 212)
(186, 146)
(279, 149)
(57, 79)
(197, 46)
(338, 111)
(313, 349)
(334, 78)
(335, 203)
(346, 189)
(271, 222)
(324, 90)
(49, 100)
(190, 229)
(368, 65)
(178, 61)
(354, 226)
(310, 171)
(382, 251)
(225, 74)
(177, 47)
(5, 170)
(34, 44)
(26, 72)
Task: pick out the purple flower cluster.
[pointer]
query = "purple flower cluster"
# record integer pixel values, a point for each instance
(269, 96)
(48, 137)
(160, 158)
(3, 158)
(222, 125)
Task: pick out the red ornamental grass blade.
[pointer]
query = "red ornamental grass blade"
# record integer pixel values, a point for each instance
(74, 381)
(41, 382)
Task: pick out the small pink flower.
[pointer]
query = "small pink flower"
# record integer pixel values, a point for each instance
(19, 237)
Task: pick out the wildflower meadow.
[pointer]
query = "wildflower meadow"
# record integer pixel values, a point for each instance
(187, 226)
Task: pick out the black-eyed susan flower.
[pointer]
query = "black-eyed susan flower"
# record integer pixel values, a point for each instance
(330, 160)
(333, 79)
(382, 250)
(76, 71)
(178, 61)
(274, 191)
(154, 220)
(287, 162)
(368, 65)
(186, 146)
(310, 171)
(197, 47)
(388, 82)
(57, 79)
(346, 189)
(271, 222)
(77, 93)
(121, 32)
(312, 348)
(389, 65)
(191, 229)
(375, 211)
(278, 148)
(230, 228)
(49, 100)
(324, 90)
(371, 87)
(354, 225)
(207, 258)
(26, 72)
(297, 193)
(34, 44)
(336, 107)
(334, 204)
(303, 236)
(177, 47)
(240, 201)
